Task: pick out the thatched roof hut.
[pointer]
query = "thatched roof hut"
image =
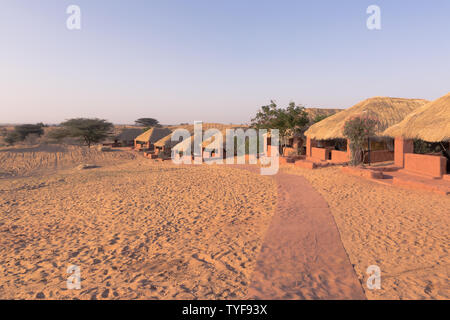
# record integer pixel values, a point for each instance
(221, 127)
(153, 135)
(223, 132)
(388, 111)
(166, 142)
(128, 134)
(430, 122)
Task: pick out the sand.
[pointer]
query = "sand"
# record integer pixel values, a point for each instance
(140, 229)
(404, 232)
(22, 161)
(137, 230)
(302, 256)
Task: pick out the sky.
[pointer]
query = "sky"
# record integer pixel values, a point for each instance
(215, 61)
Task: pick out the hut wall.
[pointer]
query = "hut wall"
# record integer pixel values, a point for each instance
(339, 156)
(127, 143)
(428, 165)
(379, 156)
(310, 143)
(320, 153)
(288, 150)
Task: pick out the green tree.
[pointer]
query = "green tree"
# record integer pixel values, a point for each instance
(58, 134)
(295, 119)
(358, 130)
(147, 122)
(87, 130)
(265, 117)
(289, 121)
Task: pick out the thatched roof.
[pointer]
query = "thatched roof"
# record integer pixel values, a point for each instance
(129, 134)
(167, 140)
(313, 113)
(164, 142)
(388, 111)
(223, 132)
(154, 134)
(221, 127)
(430, 122)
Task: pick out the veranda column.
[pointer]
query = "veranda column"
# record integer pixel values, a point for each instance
(309, 145)
(349, 152)
(402, 146)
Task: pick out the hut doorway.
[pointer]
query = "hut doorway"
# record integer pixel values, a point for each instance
(378, 149)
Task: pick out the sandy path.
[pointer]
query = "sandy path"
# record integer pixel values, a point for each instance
(302, 256)
(404, 232)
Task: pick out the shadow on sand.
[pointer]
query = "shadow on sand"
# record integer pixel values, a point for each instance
(41, 148)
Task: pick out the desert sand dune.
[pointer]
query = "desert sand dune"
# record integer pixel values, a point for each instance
(28, 160)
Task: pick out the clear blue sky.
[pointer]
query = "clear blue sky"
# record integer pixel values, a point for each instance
(211, 60)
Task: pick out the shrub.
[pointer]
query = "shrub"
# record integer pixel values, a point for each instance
(11, 138)
(25, 130)
(357, 130)
(31, 139)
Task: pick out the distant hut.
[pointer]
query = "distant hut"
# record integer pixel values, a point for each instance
(326, 141)
(126, 137)
(206, 143)
(147, 139)
(164, 146)
(211, 145)
(431, 124)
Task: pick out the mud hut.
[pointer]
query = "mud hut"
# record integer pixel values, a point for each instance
(126, 137)
(146, 140)
(326, 141)
(429, 124)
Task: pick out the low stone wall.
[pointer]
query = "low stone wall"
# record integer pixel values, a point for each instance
(305, 164)
(320, 153)
(428, 165)
(362, 172)
(339, 156)
(418, 185)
